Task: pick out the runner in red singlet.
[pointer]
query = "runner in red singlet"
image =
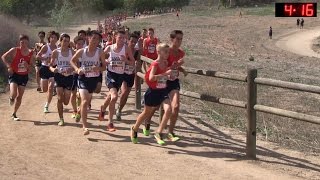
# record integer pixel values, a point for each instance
(19, 62)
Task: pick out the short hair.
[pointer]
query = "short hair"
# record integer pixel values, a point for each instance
(23, 37)
(64, 35)
(138, 33)
(41, 32)
(133, 35)
(78, 38)
(82, 31)
(88, 33)
(162, 46)
(95, 33)
(52, 33)
(151, 29)
(144, 29)
(174, 33)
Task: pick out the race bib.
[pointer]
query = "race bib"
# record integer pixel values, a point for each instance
(65, 71)
(162, 82)
(88, 72)
(117, 66)
(22, 68)
(152, 48)
(174, 74)
(128, 69)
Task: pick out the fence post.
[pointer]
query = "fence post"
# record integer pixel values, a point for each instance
(137, 85)
(251, 113)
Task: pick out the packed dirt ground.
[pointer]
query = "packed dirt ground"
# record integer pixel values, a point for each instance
(223, 41)
(36, 148)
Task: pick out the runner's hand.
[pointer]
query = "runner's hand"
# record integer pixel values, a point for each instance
(10, 70)
(95, 68)
(80, 72)
(56, 70)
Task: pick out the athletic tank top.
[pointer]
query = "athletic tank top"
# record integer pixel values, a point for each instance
(63, 63)
(160, 83)
(87, 63)
(151, 51)
(18, 64)
(46, 57)
(116, 65)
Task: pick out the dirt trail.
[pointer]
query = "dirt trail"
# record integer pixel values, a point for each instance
(36, 148)
(300, 42)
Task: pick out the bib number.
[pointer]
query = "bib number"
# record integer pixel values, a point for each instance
(152, 49)
(117, 66)
(22, 68)
(162, 83)
(88, 72)
(129, 69)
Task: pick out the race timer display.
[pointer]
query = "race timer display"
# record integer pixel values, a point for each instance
(296, 9)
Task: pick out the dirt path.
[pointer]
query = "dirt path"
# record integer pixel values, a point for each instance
(300, 42)
(36, 148)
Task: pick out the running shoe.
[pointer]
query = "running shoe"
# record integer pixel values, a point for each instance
(78, 117)
(118, 115)
(39, 89)
(46, 110)
(159, 139)
(134, 136)
(14, 117)
(172, 137)
(61, 122)
(11, 101)
(146, 131)
(86, 131)
(111, 128)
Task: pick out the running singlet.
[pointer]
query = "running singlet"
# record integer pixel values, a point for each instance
(46, 57)
(173, 59)
(151, 51)
(88, 62)
(116, 65)
(19, 63)
(63, 63)
(160, 83)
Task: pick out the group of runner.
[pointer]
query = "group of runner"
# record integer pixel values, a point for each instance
(76, 69)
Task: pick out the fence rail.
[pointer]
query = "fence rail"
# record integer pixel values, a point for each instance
(251, 105)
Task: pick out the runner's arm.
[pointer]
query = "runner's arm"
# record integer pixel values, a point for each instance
(153, 77)
(8, 57)
(103, 62)
(53, 61)
(106, 54)
(33, 57)
(43, 50)
(130, 56)
(75, 60)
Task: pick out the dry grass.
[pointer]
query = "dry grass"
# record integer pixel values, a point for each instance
(220, 40)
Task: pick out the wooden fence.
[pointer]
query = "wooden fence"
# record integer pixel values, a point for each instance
(250, 105)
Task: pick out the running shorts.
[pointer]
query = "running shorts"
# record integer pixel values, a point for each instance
(65, 82)
(173, 85)
(20, 80)
(129, 79)
(45, 72)
(114, 80)
(89, 84)
(154, 97)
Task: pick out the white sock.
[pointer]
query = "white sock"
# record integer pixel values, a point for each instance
(46, 105)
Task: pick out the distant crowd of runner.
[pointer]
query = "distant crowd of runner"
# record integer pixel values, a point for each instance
(75, 67)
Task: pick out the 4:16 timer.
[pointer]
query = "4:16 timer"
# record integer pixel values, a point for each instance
(296, 10)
